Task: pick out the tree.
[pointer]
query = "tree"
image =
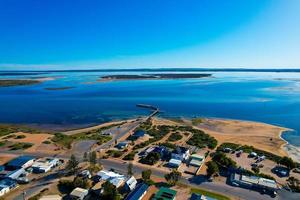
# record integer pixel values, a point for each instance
(85, 156)
(93, 158)
(81, 182)
(109, 191)
(146, 175)
(129, 169)
(151, 158)
(212, 168)
(288, 162)
(173, 177)
(72, 165)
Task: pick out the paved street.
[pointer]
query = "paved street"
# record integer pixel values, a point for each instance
(218, 187)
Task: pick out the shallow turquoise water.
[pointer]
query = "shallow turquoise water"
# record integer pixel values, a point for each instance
(266, 97)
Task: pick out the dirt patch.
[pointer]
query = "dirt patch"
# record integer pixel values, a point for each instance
(37, 141)
(4, 158)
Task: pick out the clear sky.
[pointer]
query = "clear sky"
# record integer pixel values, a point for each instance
(82, 34)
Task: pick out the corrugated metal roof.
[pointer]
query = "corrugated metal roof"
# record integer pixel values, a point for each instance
(20, 161)
(138, 192)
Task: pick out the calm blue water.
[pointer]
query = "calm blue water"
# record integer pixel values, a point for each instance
(266, 97)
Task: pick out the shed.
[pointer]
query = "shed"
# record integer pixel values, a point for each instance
(20, 162)
(79, 193)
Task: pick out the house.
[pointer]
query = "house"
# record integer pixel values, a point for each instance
(20, 162)
(51, 197)
(44, 165)
(114, 178)
(130, 184)
(9, 182)
(4, 189)
(196, 160)
(174, 163)
(79, 193)
(14, 174)
(181, 153)
(6, 185)
(162, 150)
(122, 145)
(165, 193)
(138, 193)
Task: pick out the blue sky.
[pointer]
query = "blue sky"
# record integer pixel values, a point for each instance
(74, 34)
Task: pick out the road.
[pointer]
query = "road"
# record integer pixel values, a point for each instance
(119, 132)
(219, 187)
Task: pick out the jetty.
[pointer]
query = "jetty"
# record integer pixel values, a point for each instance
(154, 109)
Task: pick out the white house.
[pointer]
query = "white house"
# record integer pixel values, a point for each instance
(44, 165)
(181, 153)
(113, 177)
(131, 183)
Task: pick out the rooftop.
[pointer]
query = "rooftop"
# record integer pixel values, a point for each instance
(165, 194)
(137, 192)
(78, 192)
(19, 161)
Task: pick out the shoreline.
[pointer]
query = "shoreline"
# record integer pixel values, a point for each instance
(261, 135)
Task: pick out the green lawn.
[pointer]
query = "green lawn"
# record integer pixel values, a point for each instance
(209, 194)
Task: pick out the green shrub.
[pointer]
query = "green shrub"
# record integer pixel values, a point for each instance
(20, 146)
(175, 137)
(20, 137)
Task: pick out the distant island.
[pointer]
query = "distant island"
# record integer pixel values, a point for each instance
(152, 76)
(59, 88)
(17, 82)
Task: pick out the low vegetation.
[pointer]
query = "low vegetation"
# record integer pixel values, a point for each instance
(66, 140)
(175, 137)
(199, 138)
(197, 121)
(223, 161)
(130, 156)
(151, 159)
(20, 137)
(114, 153)
(46, 142)
(20, 146)
(9, 129)
(173, 177)
(294, 184)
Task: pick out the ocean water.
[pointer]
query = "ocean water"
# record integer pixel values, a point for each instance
(258, 96)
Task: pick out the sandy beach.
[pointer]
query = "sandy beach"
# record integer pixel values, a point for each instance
(260, 135)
